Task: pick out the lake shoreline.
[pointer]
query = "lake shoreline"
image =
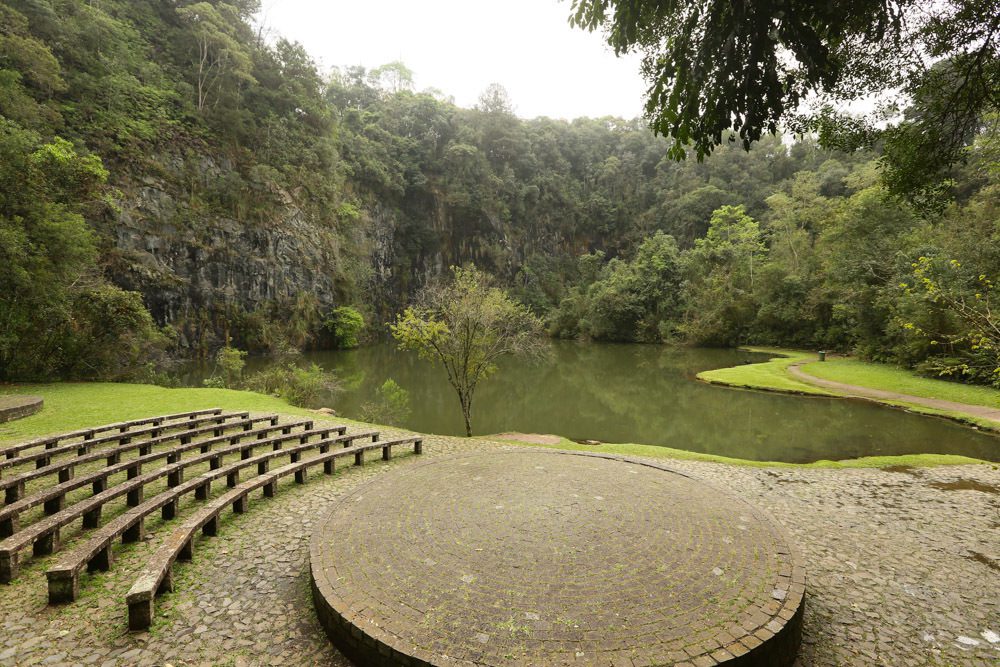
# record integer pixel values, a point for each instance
(790, 360)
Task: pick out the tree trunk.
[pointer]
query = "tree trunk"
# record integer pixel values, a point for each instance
(467, 414)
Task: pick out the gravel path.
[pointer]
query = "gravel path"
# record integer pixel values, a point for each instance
(903, 570)
(982, 411)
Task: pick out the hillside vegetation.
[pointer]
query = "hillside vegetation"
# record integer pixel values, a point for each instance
(172, 180)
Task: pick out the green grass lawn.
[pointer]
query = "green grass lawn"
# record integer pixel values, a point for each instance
(656, 451)
(73, 405)
(891, 378)
(770, 375)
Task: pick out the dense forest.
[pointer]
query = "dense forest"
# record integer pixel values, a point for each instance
(171, 179)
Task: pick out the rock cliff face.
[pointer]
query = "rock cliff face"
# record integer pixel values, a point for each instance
(192, 265)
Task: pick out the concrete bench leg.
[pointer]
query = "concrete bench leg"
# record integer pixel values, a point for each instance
(102, 560)
(324, 448)
(175, 477)
(240, 505)
(8, 566)
(46, 544)
(303, 439)
(173, 457)
(205, 449)
(9, 526)
(285, 430)
(13, 493)
(211, 527)
(133, 471)
(145, 449)
(114, 459)
(386, 453)
(169, 511)
(66, 474)
(187, 551)
(99, 485)
(418, 447)
(263, 466)
(270, 489)
(140, 614)
(53, 505)
(185, 439)
(80, 451)
(294, 457)
(42, 462)
(328, 467)
(92, 518)
(359, 458)
(134, 497)
(215, 463)
(246, 453)
(135, 532)
(233, 478)
(203, 491)
(63, 587)
(301, 476)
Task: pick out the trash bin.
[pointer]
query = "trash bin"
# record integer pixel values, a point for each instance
(822, 355)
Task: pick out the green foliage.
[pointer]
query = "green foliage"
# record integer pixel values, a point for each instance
(721, 72)
(303, 387)
(467, 326)
(346, 324)
(230, 362)
(391, 405)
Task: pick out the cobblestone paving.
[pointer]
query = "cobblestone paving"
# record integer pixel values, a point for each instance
(902, 571)
(545, 558)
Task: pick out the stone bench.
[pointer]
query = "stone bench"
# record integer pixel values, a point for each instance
(89, 433)
(44, 536)
(156, 577)
(96, 552)
(54, 497)
(13, 487)
(44, 457)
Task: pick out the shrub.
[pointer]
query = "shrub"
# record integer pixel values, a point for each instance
(303, 387)
(391, 405)
(346, 325)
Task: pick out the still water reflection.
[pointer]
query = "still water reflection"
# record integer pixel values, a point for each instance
(647, 394)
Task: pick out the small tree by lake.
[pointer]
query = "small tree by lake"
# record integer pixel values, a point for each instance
(467, 325)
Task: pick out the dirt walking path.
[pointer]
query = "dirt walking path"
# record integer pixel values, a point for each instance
(981, 411)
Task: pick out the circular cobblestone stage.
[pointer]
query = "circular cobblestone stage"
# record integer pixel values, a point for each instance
(551, 558)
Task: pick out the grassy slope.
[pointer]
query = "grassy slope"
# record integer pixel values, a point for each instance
(890, 378)
(770, 375)
(773, 376)
(74, 405)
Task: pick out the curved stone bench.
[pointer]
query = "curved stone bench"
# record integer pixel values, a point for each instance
(13, 487)
(89, 433)
(44, 457)
(43, 536)
(18, 407)
(53, 498)
(156, 577)
(95, 553)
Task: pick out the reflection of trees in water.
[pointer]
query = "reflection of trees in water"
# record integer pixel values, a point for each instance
(647, 394)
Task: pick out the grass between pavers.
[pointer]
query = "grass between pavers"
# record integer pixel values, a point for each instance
(771, 375)
(656, 451)
(72, 405)
(900, 380)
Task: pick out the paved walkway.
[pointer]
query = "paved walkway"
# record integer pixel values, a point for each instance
(981, 411)
(904, 568)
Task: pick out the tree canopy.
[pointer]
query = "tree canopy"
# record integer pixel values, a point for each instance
(720, 71)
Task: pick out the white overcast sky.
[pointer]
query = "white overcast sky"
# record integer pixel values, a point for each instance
(461, 46)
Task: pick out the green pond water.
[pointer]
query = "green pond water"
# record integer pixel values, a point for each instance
(646, 394)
